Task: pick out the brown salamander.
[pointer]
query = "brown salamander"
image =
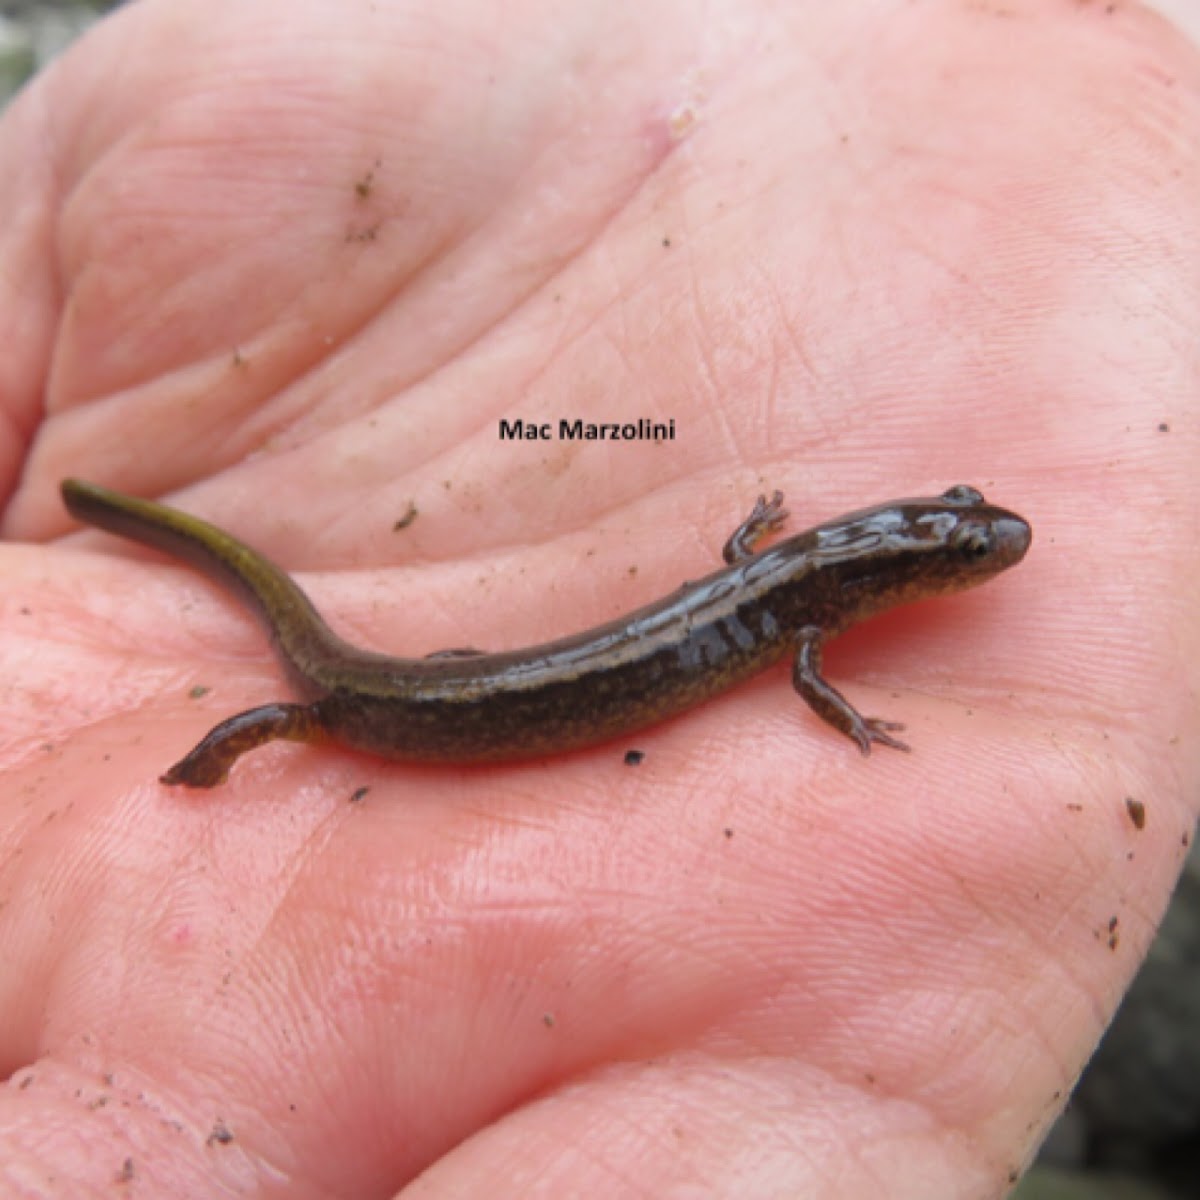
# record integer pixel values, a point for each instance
(465, 706)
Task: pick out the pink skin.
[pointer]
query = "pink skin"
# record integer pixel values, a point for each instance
(287, 266)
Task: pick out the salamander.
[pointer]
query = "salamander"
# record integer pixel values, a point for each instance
(465, 706)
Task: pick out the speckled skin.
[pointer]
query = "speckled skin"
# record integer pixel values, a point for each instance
(610, 680)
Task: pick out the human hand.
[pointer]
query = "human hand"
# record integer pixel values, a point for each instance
(288, 267)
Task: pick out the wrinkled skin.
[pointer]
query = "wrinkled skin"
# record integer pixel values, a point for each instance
(287, 266)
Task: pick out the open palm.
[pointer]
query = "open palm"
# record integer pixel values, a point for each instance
(290, 273)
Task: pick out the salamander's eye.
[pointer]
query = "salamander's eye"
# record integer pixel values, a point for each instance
(974, 542)
(962, 495)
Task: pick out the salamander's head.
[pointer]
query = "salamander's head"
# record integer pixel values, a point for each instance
(911, 549)
(976, 539)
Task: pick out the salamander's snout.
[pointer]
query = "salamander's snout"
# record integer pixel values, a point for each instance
(1013, 535)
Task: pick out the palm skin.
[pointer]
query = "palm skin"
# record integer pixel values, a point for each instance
(288, 267)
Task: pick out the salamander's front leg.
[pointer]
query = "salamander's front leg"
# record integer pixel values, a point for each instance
(766, 517)
(208, 764)
(829, 704)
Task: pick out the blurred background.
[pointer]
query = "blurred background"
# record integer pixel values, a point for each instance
(33, 31)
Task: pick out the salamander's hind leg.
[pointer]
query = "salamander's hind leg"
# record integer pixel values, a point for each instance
(208, 764)
(766, 517)
(829, 704)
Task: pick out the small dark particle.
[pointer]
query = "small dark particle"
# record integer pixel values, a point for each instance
(1137, 812)
(364, 186)
(1074, 808)
(1113, 922)
(410, 515)
(198, 691)
(1163, 427)
(25, 1082)
(728, 832)
(220, 1133)
(25, 611)
(666, 243)
(125, 1174)
(634, 758)
(358, 794)
(548, 1020)
(1186, 838)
